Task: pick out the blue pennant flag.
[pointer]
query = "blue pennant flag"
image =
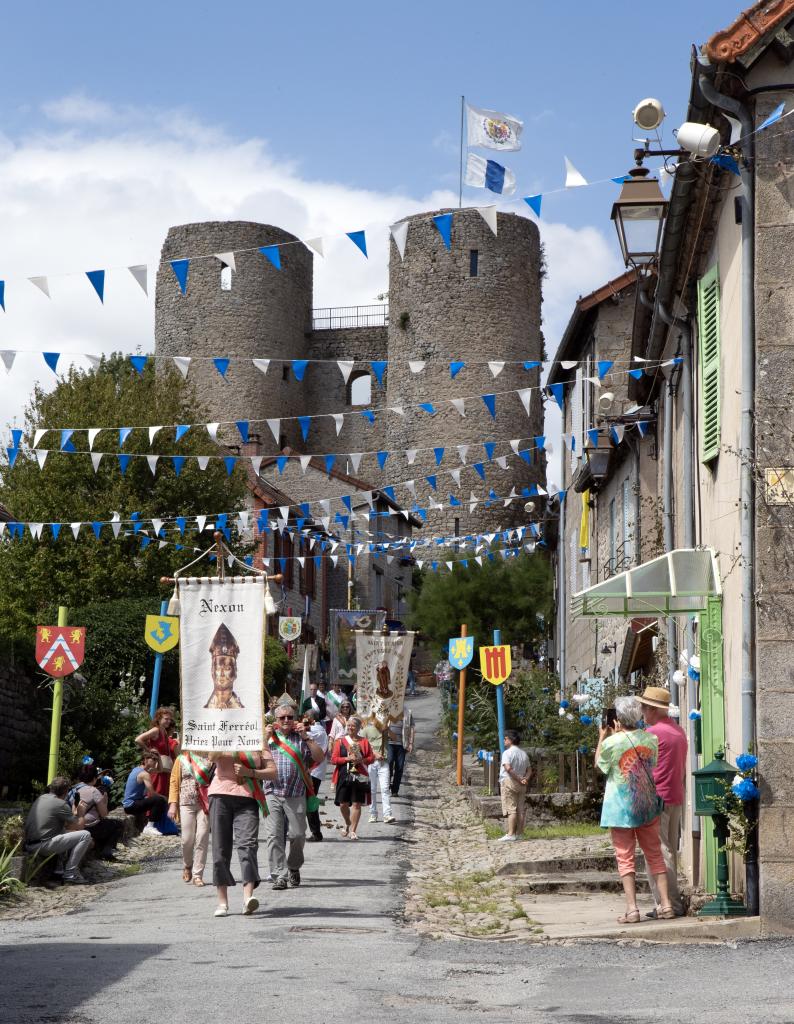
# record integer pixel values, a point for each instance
(432, 481)
(242, 427)
(368, 414)
(557, 391)
(434, 566)
(16, 437)
(306, 510)
(3, 295)
(181, 523)
(180, 269)
(428, 407)
(533, 202)
(56, 529)
(65, 436)
(389, 492)
(636, 374)
(139, 362)
(382, 456)
(490, 448)
(305, 422)
(249, 560)
(281, 463)
(526, 455)
(221, 521)
(776, 115)
(12, 456)
(358, 238)
(124, 461)
(540, 441)
(282, 564)
(51, 359)
(455, 368)
(377, 369)
(439, 454)
(443, 221)
(317, 561)
(273, 254)
(453, 500)
(480, 469)
(97, 528)
(229, 461)
(97, 279)
(622, 179)
(347, 501)
(643, 428)
(677, 360)
(604, 366)
(344, 520)
(124, 433)
(263, 520)
(178, 461)
(329, 463)
(592, 437)
(726, 162)
(299, 368)
(145, 542)
(490, 404)
(181, 430)
(221, 365)
(532, 364)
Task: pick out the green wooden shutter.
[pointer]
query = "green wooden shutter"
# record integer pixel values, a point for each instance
(709, 353)
(712, 707)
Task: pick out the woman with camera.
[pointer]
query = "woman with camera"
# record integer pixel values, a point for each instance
(92, 805)
(351, 757)
(627, 755)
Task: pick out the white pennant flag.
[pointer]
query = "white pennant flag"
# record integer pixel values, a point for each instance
(334, 560)
(182, 363)
(41, 284)
(339, 419)
(420, 562)
(37, 437)
(455, 474)
(478, 559)
(301, 560)
(325, 505)
(152, 460)
(261, 364)
(8, 358)
(367, 496)
(41, 457)
(284, 512)
(568, 364)
(35, 530)
(573, 179)
(496, 367)
(326, 522)
(410, 455)
(93, 361)
(201, 522)
(212, 430)
(139, 273)
(158, 525)
(501, 461)
(346, 368)
(115, 525)
(256, 463)
(242, 519)
(525, 394)
(449, 566)
(399, 233)
(227, 259)
(488, 214)
(460, 405)
(411, 485)
(316, 244)
(473, 501)
(162, 544)
(619, 430)
(397, 410)
(355, 460)
(96, 458)
(75, 528)
(275, 429)
(203, 461)
(416, 365)
(92, 436)
(304, 461)
(463, 451)
(153, 433)
(514, 445)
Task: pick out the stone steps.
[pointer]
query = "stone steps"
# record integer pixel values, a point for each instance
(595, 862)
(575, 883)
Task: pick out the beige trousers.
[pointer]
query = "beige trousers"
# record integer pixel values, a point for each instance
(669, 830)
(195, 837)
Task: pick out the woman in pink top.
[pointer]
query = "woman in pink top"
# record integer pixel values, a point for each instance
(236, 797)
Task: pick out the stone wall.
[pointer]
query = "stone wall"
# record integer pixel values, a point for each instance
(23, 736)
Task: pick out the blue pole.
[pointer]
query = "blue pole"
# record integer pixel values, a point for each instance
(500, 699)
(158, 668)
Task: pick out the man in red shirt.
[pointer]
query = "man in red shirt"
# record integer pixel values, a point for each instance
(669, 776)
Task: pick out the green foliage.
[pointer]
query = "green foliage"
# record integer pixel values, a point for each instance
(276, 666)
(9, 885)
(12, 830)
(503, 594)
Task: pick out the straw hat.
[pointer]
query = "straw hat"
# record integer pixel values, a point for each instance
(656, 697)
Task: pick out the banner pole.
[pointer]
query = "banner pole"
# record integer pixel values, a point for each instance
(462, 117)
(500, 699)
(57, 707)
(158, 668)
(461, 707)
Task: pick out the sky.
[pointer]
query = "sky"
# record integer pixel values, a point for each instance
(120, 121)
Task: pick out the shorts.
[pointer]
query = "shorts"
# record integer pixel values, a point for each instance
(514, 796)
(352, 791)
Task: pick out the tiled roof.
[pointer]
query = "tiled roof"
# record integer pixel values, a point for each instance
(731, 43)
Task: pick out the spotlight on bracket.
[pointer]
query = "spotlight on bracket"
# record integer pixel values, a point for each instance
(701, 140)
(648, 114)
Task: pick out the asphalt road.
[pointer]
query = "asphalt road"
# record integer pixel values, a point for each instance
(334, 951)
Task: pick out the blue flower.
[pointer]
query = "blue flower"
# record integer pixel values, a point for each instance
(545, 689)
(584, 749)
(88, 759)
(585, 719)
(565, 704)
(746, 789)
(694, 716)
(746, 762)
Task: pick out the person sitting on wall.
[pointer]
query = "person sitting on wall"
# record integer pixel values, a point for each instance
(140, 795)
(52, 828)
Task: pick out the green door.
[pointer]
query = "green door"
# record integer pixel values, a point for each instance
(712, 707)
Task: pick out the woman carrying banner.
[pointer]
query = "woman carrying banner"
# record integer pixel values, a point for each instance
(339, 724)
(352, 756)
(236, 798)
(161, 740)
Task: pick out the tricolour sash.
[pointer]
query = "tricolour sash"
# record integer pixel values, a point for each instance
(312, 801)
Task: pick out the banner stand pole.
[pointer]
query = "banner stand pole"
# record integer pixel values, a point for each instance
(158, 668)
(57, 707)
(461, 708)
(500, 699)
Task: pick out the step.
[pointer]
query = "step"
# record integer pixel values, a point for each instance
(566, 865)
(578, 882)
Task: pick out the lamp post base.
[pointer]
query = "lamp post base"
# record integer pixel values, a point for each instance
(723, 906)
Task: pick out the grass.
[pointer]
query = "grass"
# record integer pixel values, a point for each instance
(568, 830)
(124, 870)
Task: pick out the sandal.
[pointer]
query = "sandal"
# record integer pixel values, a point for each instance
(353, 835)
(199, 881)
(186, 874)
(665, 913)
(345, 831)
(630, 917)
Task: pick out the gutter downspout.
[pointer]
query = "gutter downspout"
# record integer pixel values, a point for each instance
(562, 600)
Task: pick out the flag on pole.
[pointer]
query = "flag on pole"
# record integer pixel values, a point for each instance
(492, 130)
(489, 174)
(305, 684)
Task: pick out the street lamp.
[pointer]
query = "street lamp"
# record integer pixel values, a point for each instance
(607, 648)
(639, 215)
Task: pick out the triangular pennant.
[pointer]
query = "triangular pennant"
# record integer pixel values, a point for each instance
(8, 358)
(463, 451)
(557, 392)
(203, 461)
(139, 272)
(65, 436)
(776, 114)
(382, 456)
(573, 179)
(339, 419)
(455, 474)
(305, 423)
(139, 364)
(180, 269)
(443, 222)
(488, 214)
(433, 481)
(273, 254)
(51, 359)
(398, 410)
(410, 455)
(416, 365)
(124, 433)
(227, 259)
(299, 368)
(212, 430)
(178, 461)
(399, 233)
(281, 463)
(152, 460)
(490, 404)
(329, 463)
(490, 448)
(221, 365)
(304, 461)
(455, 367)
(514, 445)
(378, 369)
(41, 283)
(41, 456)
(428, 408)
(617, 432)
(92, 436)
(37, 436)
(124, 461)
(411, 485)
(229, 461)
(261, 364)
(592, 437)
(75, 528)
(525, 394)
(182, 364)
(316, 244)
(439, 454)
(275, 429)
(496, 367)
(568, 364)
(97, 279)
(201, 522)
(355, 460)
(358, 238)
(604, 366)
(460, 405)
(256, 464)
(501, 461)
(346, 368)
(534, 202)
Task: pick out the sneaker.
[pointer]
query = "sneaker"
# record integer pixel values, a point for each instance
(221, 911)
(507, 839)
(150, 830)
(390, 819)
(280, 883)
(294, 878)
(314, 838)
(76, 879)
(373, 819)
(250, 905)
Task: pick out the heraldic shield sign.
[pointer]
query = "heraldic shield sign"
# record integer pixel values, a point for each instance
(60, 649)
(289, 627)
(161, 632)
(461, 651)
(495, 663)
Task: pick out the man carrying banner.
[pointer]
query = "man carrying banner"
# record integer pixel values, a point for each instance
(289, 795)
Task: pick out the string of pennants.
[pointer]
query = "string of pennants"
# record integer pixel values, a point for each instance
(554, 391)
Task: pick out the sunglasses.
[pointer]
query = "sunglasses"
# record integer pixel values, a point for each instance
(285, 718)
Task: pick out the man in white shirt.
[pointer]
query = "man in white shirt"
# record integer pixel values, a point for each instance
(513, 780)
(315, 731)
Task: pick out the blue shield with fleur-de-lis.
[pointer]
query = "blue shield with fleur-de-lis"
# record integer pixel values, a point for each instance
(461, 651)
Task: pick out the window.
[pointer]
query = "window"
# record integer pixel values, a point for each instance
(628, 521)
(285, 371)
(474, 262)
(282, 548)
(360, 389)
(613, 540)
(307, 573)
(709, 353)
(377, 586)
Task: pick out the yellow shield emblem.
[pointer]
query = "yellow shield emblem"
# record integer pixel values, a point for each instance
(161, 632)
(495, 663)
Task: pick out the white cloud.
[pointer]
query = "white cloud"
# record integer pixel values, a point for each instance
(73, 200)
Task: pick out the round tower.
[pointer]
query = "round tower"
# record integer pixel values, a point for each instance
(263, 313)
(478, 302)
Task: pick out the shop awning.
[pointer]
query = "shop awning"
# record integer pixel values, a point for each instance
(678, 583)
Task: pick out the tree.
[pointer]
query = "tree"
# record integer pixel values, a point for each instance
(506, 594)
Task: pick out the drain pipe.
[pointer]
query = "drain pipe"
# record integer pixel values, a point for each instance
(747, 439)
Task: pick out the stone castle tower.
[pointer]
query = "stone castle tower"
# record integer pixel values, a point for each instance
(477, 302)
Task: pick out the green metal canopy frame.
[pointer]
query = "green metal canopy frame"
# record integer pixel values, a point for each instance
(678, 583)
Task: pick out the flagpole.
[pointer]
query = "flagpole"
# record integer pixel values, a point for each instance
(462, 116)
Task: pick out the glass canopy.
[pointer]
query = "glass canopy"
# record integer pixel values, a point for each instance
(678, 583)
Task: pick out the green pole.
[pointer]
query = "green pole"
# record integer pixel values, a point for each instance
(57, 704)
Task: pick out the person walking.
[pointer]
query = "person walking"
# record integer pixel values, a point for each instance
(669, 776)
(188, 804)
(236, 798)
(627, 755)
(140, 797)
(316, 731)
(339, 724)
(52, 828)
(378, 738)
(513, 781)
(401, 743)
(314, 702)
(352, 756)
(288, 792)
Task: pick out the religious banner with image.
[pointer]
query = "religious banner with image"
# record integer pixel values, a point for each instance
(383, 660)
(221, 663)
(344, 623)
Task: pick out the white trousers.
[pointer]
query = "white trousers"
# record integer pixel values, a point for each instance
(195, 837)
(379, 780)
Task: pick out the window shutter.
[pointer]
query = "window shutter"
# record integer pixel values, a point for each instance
(709, 353)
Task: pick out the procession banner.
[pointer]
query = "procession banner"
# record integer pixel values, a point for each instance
(343, 640)
(383, 660)
(221, 663)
